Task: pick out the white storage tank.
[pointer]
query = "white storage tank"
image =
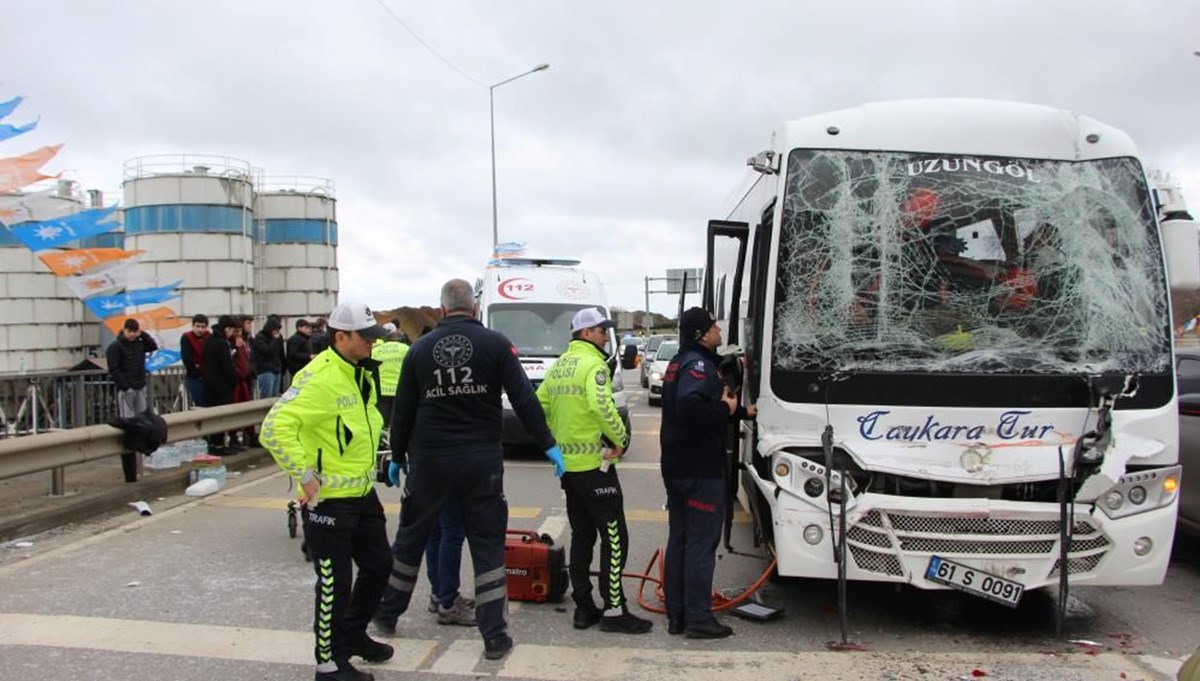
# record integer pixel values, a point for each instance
(193, 215)
(298, 231)
(41, 320)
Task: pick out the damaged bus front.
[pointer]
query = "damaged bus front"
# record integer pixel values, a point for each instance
(957, 330)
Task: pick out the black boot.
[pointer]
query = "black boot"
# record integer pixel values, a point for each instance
(345, 672)
(369, 649)
(675, 624)
(625, 623)
(498, 647)
(711, 629)
(587, 615)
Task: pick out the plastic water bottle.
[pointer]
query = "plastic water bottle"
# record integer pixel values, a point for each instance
(213, 473)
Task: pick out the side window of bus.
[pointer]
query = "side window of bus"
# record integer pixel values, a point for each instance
(1187, 377)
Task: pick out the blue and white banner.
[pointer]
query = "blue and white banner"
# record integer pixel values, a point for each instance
(107, 306)
(39, 236)
(8, 107)
(10, 131)
(162, 358)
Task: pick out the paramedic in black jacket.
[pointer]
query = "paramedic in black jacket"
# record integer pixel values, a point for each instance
(448, 420)
(696, 411)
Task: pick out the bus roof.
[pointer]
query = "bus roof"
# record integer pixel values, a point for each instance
(960, 126)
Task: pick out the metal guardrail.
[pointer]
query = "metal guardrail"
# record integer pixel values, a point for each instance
(56, 450)
(43, 401)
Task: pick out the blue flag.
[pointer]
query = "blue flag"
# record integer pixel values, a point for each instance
(40, 235)
(107, 306)
(10, 131)
(8, 107)
(161, 360)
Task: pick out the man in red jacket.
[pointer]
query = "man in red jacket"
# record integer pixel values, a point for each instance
(191, 348)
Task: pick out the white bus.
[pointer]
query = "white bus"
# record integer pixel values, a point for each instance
(962, 306)
(532, 301)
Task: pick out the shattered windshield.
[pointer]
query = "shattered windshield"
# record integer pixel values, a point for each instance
(961, 264)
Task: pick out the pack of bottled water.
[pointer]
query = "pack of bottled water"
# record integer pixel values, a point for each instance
(176, 454)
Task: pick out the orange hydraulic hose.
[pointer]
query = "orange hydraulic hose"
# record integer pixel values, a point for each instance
(720, 602)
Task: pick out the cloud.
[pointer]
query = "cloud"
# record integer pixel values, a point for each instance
(618, 154)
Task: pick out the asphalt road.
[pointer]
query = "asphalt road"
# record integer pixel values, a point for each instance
(215, 588)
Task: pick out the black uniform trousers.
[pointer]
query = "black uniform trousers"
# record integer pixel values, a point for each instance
(695, 516)
(476, 480)
(595, 508)
(340, 533)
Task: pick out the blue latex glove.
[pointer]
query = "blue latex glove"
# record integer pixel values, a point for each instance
(394, 474)
(555, 455)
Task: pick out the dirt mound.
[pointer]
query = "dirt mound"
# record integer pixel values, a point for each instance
(410, 320)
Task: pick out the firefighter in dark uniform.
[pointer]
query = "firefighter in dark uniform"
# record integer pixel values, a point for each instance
(324, 432)
(696, 411)
(577, 399)
(448, 420)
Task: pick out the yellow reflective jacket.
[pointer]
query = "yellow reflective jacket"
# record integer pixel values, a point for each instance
(577, 398)
(390, 355)
(327, 423)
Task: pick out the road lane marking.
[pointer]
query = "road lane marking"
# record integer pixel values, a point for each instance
(138, 524)
(459, 659)
(561, 663)
(280, 504)
(553, 525)
(624, 465)
(571, 662)
(193, 640)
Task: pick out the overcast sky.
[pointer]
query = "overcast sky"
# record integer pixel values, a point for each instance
(617, 155)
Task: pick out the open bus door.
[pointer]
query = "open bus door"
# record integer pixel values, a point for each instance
(728, 307)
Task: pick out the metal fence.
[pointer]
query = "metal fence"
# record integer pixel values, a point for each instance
(39, 402)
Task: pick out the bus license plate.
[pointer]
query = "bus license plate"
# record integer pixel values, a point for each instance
(973, 581)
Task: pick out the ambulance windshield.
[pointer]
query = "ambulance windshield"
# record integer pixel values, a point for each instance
(536, 329)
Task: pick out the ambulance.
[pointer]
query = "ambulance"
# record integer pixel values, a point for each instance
(532, 301)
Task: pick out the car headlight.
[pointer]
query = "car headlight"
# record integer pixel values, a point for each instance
(1142, 491)
(656, 376)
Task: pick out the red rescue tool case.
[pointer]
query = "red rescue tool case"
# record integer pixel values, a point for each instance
(537, 569)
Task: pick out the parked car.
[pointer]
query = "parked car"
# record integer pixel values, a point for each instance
(649, 351)
(1187, 368)
(666, 350)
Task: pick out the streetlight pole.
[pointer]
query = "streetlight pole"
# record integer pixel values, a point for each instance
(492, 120)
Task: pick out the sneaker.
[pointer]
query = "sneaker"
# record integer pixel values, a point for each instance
(462, 613)
(433, 604)
(625, 623)
(496, 648)
(345, 672)
(369, 649)
(586, 616)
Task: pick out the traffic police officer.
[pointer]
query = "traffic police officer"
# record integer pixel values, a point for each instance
(696, 411)
(577, 398)
(448, 420)
(324, 432)
(389, 352)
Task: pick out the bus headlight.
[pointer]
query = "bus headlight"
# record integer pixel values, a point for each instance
(1143, 545)
(1113, 500)
(1140, 492)
(813, 534)
(1137, 495)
